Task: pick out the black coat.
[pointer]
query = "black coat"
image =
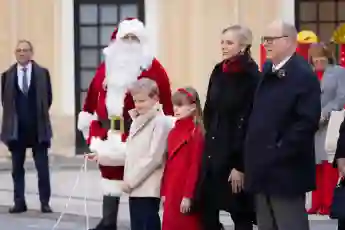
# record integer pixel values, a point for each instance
(340, 152)
(228, 104)
(26, 117)
(279, 149)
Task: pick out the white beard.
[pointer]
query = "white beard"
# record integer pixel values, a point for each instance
(122, 62)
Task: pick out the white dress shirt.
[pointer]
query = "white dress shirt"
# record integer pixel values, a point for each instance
(281, 64)
(20, 74)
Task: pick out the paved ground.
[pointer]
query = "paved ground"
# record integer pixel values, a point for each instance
(38, 221)
(64, 174)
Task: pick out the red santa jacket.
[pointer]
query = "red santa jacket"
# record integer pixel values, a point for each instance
(95, 104)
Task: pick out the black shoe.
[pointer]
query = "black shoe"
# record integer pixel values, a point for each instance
(45, 208)
(18, 209)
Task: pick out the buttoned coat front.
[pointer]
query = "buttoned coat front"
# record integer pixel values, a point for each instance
(146, 152)
(332, 99)
(185, 146)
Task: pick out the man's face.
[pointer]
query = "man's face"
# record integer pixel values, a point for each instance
(23, 53)
(131, 38)
(275, 43)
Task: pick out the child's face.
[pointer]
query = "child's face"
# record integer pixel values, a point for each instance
(182, 111)
(143, 102)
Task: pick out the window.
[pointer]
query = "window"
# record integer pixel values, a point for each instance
(320, 16)
(95, 21)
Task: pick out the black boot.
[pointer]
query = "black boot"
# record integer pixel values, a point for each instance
(110, 211)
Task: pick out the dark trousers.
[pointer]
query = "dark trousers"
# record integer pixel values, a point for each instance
(281, 212)
(341, 224)
(110, 208)
(40, 156)
(144, 213)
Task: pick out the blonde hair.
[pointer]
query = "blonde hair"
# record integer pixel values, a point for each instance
(318, 50)
(187, 96)
(243, 33)
(144, 85)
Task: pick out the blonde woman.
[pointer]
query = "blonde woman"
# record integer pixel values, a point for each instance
(229, 98)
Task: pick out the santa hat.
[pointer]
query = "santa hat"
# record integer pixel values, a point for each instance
(131, 26)
(114, 34)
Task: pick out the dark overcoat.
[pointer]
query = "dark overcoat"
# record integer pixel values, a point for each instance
(340, 152)
(25, 118)
(228, 104)
(279, 148)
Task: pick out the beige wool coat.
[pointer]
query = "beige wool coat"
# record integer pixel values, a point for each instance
(146, 148)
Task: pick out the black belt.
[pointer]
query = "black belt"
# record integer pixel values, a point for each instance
(106, 124)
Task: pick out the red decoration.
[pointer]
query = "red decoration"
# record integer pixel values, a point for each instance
(302, 49)
(342, 55)
(262, 55)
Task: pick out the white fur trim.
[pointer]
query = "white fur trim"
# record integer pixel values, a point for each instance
(111, 187)
(111, 152)
(147, 62)
(133, 26)
(84, 120)
(94, 144)
(115, 100)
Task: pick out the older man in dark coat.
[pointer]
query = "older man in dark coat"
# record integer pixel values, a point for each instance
(279, 148)
(26, 98)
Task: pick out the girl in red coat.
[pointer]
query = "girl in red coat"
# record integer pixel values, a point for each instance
(185, 145)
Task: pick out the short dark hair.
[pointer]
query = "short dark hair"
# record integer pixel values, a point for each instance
(27, 42)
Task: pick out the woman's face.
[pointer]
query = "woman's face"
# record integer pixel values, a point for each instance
(230, 44)
(320, 63)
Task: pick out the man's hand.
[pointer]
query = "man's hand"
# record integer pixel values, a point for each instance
(126, 188)
(341, 165)
(237, 181)
(185, 206)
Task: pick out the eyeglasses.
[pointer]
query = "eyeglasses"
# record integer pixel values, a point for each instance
(271, 39)
(23, 50)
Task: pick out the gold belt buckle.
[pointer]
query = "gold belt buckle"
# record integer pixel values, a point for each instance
(113, 119)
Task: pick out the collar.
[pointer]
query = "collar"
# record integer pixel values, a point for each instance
(28, 67)
(156, 109)
(281, 64)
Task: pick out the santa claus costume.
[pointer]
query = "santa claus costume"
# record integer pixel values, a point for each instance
(126, 60)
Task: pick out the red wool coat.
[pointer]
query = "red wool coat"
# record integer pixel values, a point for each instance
(95, 104)
(185, 145)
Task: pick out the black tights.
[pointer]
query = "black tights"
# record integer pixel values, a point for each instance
(210, 219)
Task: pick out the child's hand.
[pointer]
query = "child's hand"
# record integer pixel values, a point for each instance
(162, 201)
(126, 188)
(91, 156)
(185, 206)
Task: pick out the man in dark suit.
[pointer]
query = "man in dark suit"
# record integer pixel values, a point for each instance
(279, 148)
(26, 98)
(339, 161)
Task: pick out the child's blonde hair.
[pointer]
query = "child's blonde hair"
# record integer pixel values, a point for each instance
(187, 96)
(144, 85)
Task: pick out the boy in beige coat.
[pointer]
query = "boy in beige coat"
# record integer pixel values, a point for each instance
(145, 152)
